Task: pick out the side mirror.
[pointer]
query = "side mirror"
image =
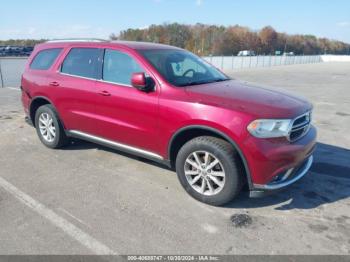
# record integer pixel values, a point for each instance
(141, 82)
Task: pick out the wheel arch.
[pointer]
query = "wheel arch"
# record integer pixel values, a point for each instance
(189, 132)
(38, 102)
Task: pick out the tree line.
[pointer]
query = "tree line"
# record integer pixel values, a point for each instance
(21, 42)
(220, 40)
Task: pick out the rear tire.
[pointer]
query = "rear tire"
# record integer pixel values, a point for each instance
(209, 170)
(49, 127)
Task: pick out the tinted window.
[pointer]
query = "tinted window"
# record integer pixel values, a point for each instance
(182, 68)
(187, 67)
(118, 67)
(44, 59)
(81, 62)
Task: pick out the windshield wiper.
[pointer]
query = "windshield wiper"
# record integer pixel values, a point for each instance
(192, 83)
(221, 79)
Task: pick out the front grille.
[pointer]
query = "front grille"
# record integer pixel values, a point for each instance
(300, 127)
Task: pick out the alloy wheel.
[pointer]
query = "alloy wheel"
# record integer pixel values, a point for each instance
(47, 127)
(204, 173)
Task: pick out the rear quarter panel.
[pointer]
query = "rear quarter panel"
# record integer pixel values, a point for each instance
(32, 81)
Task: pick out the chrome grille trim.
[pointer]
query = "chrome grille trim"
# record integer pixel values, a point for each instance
(305, 126)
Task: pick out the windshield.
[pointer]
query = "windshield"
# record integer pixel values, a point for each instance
(182, 68)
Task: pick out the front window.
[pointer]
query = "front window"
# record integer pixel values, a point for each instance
(182, 68)
(118, 67)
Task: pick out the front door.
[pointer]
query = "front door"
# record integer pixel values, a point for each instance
(125, 114)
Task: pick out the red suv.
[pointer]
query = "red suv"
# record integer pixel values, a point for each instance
(166, 104)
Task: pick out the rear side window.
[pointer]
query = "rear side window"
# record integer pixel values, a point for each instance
(82, 62)
(45, 58)
(118, 67)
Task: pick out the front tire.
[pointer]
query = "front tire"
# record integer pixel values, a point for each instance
(49, 128)
(209, 170)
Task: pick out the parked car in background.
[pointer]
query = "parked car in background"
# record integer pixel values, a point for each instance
(288, 54)
(277, 53)
(2, 50)
(12, 51)
(16, 50)
(168, 105)
(246, 53)
(27, 50)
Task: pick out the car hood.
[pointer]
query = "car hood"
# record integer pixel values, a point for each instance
(257, 101)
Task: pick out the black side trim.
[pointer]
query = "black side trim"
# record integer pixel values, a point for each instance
(28, 121)
(262, 193)
(233, 143)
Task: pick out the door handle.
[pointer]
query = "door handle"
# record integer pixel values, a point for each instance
(104, 93)
(54, 83)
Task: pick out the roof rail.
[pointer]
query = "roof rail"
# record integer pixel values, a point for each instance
(76, 40)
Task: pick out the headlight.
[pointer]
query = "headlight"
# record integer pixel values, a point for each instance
(267, 128)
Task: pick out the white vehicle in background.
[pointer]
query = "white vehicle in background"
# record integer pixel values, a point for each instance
(246, 53)
(288, 53)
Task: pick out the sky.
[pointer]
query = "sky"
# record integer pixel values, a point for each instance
(52, 19)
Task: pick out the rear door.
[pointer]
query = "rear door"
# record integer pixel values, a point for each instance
(75, 83)
(125, 114)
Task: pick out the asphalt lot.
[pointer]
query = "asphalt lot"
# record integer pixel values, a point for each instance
(88, 199)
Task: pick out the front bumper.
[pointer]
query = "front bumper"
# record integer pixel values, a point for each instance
(291, 176)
